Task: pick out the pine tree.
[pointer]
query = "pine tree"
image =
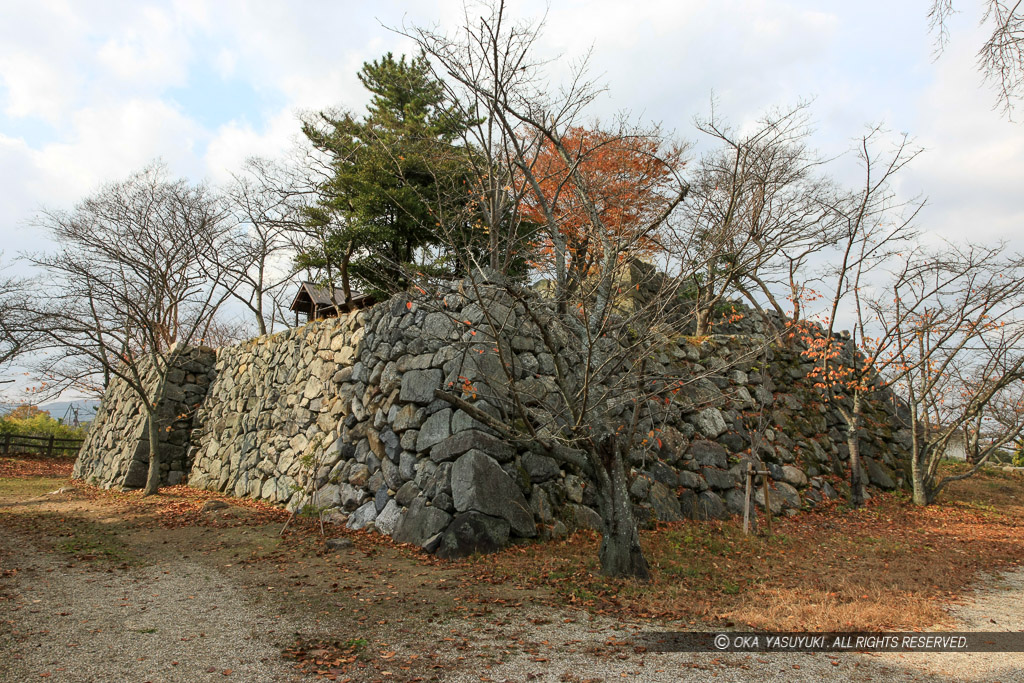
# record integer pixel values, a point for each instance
(378, 214)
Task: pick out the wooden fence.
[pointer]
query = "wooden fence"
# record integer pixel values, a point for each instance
(46, 445)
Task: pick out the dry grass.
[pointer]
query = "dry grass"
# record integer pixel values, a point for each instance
(888, 565)
(23, 466)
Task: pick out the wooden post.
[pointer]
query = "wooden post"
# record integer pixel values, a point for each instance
(49, 447)
(767, 504)
(746, 500)
(7, 444)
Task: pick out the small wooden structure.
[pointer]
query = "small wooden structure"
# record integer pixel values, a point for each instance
(748, 503)
(318, 302)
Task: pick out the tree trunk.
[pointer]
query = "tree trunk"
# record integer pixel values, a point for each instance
(703, 317)
(153, 476)
(856, 485)
(620, 552)
(923, 493)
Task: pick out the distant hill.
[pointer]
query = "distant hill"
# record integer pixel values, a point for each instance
(86, 409)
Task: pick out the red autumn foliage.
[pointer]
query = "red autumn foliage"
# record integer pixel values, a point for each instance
(627, 178)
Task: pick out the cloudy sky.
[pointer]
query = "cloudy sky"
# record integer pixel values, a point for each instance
(90, 91)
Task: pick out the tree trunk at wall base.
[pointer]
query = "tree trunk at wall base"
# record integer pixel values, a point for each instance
(922, 492)
(153, 476)
(702, 319)
(856, 483)
(620, 552)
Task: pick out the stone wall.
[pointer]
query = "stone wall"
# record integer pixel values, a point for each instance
(341, 415)
(115, 453)
(274, 405)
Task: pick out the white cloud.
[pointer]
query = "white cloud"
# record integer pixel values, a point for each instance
(973, 167)
(34, 87)
(233, 143)
(148, 50)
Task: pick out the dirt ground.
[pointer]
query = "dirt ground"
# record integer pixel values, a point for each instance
(103, 586)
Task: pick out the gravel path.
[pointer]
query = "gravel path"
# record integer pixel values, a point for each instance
(173, 622)
(185, 621)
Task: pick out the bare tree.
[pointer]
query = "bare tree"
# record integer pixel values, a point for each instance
(267, 203)
(18, 327)
(130, 283)
(874, 226)
(1001, 57)
(593, 417)
(951, 341)
(758, 210)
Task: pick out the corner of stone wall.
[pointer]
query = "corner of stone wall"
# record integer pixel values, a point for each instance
(115, 453)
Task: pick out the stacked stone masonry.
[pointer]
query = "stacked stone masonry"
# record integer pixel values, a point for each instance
(340, 416)
(116, 449)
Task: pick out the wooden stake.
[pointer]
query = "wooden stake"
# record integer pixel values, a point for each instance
(747, 497)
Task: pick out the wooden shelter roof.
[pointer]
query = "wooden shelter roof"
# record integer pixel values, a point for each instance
(316, 301)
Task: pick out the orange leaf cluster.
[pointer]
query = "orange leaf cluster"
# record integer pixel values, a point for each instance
(625, 178)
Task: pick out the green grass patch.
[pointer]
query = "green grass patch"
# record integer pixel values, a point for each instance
(15, 490)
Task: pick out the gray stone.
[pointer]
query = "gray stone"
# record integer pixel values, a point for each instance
(381, 498)
(434, 430)
(438, 481)
(641, 487)
(418, 386)
(583, 517)
(776, 501)
(711, 506)
(879, 475)
(453, 447)
(692, 480)
(420, 523)
(392, 475)
(664, 503)
(735, 501)
(407, 493)
(794, 476)
(388, 518)
(214, 504)
(789, 495)
(574, 488)
(720, 480)
(392, 446)
(709, 422)
(363, 516)
(540, 468)
(663, 473)
(479, 483)
(732, 441)
(407, 465)
(338, 543)
(709, 453)
(409, 438)
(473, 532)
(443, 501)
(432, 543)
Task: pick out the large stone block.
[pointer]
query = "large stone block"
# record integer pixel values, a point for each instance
(421, 522)
(454, 446)
(418, 386)
(473, 532)
(479, 483)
